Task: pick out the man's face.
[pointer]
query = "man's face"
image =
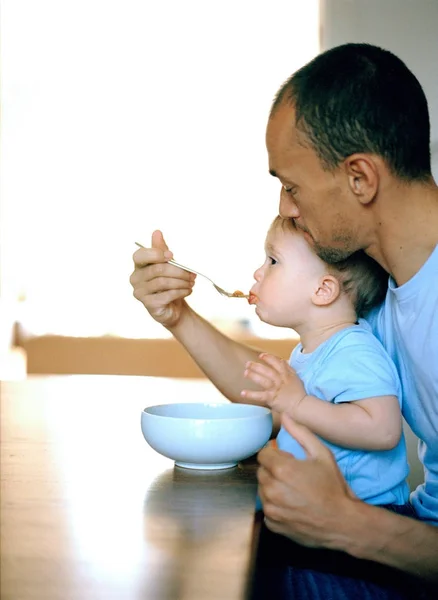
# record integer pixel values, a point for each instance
(319, 201)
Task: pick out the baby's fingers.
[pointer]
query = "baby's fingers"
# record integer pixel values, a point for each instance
(264, 397)
(261, 368)
(261, 374)
(275, 362)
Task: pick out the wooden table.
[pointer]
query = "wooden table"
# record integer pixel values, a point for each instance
(90, 511)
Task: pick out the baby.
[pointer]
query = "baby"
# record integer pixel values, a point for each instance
(340, 382)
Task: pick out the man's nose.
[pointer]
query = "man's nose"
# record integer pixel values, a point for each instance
(288, 208)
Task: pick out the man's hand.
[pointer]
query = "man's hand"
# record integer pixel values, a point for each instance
(305, 500)
(282, 389)
(159, 286)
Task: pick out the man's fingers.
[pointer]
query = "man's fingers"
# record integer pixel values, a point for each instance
(274, 526)
(158, 241)
(146, 256)
(162, 284)
(272, 460)
(158, 271)
(162, 299)
(164, 271)
(312, 445)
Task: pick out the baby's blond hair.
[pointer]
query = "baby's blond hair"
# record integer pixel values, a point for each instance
(361, 278)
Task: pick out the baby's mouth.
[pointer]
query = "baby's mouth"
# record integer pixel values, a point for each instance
(252, 298)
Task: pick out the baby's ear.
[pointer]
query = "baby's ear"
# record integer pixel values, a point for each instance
(327, 292)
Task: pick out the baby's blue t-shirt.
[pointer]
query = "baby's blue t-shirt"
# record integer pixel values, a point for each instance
(353, 365)
(407, 326)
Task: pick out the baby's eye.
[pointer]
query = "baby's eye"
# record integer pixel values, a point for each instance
(272, 261)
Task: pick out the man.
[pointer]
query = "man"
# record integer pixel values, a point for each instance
(348, 139)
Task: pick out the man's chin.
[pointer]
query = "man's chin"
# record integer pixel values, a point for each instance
(331, 255)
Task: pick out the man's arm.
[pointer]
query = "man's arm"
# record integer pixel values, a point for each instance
(162, 288)
(310, 502)
(220, 358)
(390, 539)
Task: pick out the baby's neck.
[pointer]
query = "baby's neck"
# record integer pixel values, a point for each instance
(313, 336)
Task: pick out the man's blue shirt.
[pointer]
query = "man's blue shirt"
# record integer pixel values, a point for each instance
(407, 326)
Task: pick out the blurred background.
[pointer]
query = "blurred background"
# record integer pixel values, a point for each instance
(124, 116)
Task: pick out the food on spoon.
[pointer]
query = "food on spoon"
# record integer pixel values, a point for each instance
(252, 298)
(238, 294)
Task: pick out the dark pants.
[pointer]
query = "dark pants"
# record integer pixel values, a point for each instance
(285, 570)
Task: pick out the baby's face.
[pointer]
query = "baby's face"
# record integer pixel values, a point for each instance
(287, 279)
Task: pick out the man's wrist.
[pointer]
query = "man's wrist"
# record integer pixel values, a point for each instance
(365, 531)
(185, 317)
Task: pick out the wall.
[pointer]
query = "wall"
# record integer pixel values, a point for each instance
(109, 355)
(409, 28)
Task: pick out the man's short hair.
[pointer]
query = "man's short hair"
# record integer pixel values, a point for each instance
(360, 277)
(361, 98)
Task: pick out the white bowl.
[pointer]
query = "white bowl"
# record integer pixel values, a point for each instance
(206, 436)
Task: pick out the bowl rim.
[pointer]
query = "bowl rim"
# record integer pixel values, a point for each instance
(264, 410)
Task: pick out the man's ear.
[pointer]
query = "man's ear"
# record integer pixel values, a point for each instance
(327, 292)
(363, 176)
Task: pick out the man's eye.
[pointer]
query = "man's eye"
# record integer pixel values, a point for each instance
(290, 190)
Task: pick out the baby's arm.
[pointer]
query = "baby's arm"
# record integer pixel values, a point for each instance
(373, 423)
(368, 424)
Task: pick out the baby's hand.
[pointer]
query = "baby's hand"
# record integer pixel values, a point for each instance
(282, 389)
